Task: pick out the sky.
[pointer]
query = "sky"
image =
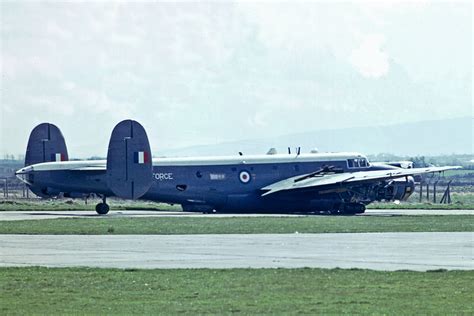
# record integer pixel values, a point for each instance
(209, 72)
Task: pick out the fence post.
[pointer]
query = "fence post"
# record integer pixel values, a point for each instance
(421, 191)
(449, 192)
(4, 188)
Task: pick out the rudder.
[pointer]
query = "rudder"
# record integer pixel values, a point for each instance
(46, 143)
(129, 163)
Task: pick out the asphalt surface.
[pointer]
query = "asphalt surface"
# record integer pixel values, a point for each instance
(33, 215)
(378, 251)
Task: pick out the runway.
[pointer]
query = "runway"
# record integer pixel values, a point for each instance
(34, 215)
(378, 251)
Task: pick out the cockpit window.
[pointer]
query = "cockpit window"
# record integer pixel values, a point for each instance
(357, 163)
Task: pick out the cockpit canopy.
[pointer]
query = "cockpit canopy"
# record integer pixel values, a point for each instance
(358, 163)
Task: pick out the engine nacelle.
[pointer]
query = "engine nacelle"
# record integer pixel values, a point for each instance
(397, 189)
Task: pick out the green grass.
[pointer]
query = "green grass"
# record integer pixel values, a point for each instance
(458, 172)
(460, 201)
(78, 205)
(242, 291)
(420, 206)
(241, 225)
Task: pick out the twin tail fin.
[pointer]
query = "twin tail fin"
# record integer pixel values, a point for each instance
(46, 143)
(129, 165)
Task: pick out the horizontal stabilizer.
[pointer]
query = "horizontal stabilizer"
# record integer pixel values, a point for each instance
(129, 163)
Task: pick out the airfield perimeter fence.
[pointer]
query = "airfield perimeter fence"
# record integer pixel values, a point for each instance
(12, 188)
(432, 191)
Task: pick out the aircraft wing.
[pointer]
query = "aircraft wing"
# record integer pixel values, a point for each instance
(322, 181)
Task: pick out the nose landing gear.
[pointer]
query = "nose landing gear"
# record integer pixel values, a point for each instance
(102, 208)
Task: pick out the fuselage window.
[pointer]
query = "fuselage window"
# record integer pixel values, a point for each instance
(199, 174)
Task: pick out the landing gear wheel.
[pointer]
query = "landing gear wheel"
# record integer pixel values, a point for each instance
(102, 208)
(352, 208)
(360, 209)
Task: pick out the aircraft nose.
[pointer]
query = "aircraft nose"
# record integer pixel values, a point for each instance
(25, 170)
(23, 173)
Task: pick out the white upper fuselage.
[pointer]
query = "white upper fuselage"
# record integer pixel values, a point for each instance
(200, 161)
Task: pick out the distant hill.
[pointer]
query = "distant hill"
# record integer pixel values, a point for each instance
(420, 138)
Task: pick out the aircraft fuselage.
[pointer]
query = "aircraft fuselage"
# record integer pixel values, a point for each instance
(222, 183)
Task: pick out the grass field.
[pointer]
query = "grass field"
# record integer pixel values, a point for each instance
(421, 206)
(78, 205)
(241, 291)
(458, 172)
(241, 225)
(463, 200)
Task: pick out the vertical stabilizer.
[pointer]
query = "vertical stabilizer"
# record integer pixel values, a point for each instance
(46, 143)
(129, 165)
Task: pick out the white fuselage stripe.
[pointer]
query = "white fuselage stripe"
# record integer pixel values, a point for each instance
(202, 161)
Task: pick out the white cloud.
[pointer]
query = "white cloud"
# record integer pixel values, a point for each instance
(56, 31)
(299, 26)
(194, 70)
(369, 58)
(50, 104)
(258, 119)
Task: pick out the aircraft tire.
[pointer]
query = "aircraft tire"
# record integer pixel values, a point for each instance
(350, 209)
(102, 208)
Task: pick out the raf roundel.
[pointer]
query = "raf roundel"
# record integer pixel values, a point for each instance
(244, 176)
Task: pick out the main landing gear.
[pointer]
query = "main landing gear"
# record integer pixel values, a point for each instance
(352, 208)
(102, 208)
(348, 209)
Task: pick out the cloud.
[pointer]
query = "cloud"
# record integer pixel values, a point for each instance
(259, 119)
(196, 72)
(369, 58)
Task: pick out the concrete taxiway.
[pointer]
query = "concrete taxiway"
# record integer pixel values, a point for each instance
(378, 251)
(33, 215)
